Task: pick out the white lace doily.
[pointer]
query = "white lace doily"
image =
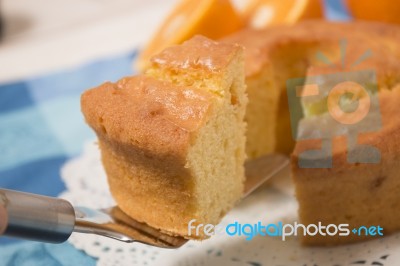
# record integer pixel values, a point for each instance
(86, 186)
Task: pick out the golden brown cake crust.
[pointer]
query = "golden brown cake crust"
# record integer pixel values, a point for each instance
(199, 54)
(381, 38)
(158, 114)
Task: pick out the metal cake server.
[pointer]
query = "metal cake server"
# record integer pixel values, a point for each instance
(52, 220)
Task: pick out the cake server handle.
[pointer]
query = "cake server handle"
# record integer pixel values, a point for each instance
(36, 217)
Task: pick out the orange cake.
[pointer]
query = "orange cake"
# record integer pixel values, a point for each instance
(352, 193)
(173, 144)
(172, 140)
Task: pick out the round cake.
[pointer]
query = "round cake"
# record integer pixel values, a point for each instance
(316, 53)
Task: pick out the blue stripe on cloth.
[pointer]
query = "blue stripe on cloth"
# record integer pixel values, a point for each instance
(14, 96)
(40, 177)
(25, 136)
(31, 254)
(75, 81)
(65, 121)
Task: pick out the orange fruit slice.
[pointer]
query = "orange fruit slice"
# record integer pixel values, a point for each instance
(262, 13)
(383, 10)
(211, 18)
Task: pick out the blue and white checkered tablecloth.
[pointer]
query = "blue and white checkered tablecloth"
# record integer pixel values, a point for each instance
(41, 127)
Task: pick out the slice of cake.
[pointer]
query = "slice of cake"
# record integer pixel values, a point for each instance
(173, 140)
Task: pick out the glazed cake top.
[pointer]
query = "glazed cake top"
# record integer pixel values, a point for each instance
(153, 113)
(197, 54)
(381, 39)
